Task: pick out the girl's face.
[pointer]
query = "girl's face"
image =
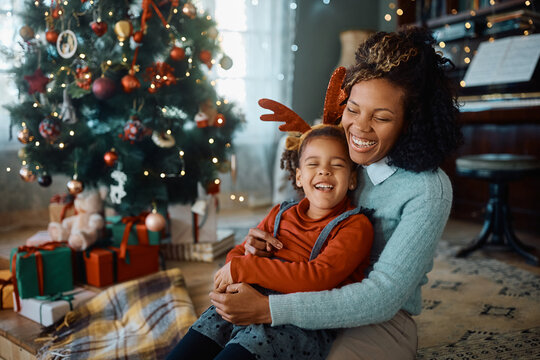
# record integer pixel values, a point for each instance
(325, 174)
(373, 119)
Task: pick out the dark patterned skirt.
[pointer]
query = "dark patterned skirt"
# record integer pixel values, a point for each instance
(265, 341)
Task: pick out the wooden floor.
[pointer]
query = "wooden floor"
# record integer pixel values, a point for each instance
(21, 332)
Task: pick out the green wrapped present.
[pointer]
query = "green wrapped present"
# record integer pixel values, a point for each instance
(131, 230)
(41, 270)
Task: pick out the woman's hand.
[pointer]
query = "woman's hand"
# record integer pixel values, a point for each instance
(242, 305)
(261, 243)
(223, 278)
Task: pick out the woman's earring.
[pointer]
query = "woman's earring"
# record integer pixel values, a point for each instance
(299, 184)
(351, 187)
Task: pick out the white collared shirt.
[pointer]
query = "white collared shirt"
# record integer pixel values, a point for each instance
(380, 171)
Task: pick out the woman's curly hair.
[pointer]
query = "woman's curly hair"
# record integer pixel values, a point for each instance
(408, 60)
(290, 159)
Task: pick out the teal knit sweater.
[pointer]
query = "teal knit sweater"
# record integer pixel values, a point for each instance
(411, 210)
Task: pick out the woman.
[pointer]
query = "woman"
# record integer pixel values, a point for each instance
(400, 122)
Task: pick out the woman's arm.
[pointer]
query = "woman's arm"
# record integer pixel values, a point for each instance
(406, 258)
(342, 255)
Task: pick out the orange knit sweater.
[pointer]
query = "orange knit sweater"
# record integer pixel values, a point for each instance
(342, 260)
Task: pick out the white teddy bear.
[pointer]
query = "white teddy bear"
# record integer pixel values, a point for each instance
(84, 228)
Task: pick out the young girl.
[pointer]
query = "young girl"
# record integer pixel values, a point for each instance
(326, 243)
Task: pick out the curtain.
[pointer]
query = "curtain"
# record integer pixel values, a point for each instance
(259, 36)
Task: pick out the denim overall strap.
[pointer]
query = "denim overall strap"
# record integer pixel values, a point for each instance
(324, 233)
(284, 206)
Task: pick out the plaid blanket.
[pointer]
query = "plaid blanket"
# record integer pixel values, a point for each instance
(139, 319)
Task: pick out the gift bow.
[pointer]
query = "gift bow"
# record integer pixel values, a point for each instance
(32, 250)
(142, 233)
(56, 297)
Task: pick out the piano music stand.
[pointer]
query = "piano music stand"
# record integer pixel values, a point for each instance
(499, 170)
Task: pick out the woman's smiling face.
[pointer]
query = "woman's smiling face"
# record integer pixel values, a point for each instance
(373, 119)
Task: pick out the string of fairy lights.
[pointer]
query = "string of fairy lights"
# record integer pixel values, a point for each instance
(392, 12)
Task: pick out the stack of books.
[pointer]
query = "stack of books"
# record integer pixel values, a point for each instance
(200, 251)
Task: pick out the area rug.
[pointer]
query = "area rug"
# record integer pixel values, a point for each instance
(475, 305)
(139, 319)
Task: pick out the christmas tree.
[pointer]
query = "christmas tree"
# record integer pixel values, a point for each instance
(120, 93)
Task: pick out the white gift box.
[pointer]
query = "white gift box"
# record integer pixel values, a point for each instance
(48, 312)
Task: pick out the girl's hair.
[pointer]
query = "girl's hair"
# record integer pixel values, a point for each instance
(408, 60)
(290, 159)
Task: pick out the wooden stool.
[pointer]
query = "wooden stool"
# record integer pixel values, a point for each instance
(498, 170)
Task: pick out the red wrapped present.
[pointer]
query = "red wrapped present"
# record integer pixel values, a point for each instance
(100, 267)
(60, 207)
(105, 267)
(140, 260)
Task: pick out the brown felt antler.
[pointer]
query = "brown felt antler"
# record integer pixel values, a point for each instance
(335, 95)
(293, 122)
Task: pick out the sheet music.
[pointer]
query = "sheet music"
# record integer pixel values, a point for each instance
(508, 60)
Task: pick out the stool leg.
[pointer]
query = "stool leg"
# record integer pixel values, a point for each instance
(514, 242)
(481, 239)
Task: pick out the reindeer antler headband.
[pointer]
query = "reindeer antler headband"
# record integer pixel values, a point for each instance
(333, 109)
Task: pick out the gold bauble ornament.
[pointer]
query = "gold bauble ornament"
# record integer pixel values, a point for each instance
(155, 221)
(21, 153)
(123, 30)
(27, 174)
(26, 32)
(212, 33)
(189, 10)
(75, 186)
(24, 136)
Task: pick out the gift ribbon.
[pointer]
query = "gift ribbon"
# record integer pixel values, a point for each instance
(3, 283)
(142, 232)
(52, 298)
(146, 9)
(32, 250)
(66, 200)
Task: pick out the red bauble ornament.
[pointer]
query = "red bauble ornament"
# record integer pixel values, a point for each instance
(155, 222)
(189, 10)
(49, 129)
(138, 36)
(177, 53)
(206, 57)
(51, 35)
(110, 158)
(36, 82)
(45, 180)
(220, 120)
(99, 27)
(103, 88)
(56, 13)
(212, 188)
(130, 83)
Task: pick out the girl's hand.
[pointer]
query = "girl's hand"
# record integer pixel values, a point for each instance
(242, 305)
(261, 243)
(223, 278)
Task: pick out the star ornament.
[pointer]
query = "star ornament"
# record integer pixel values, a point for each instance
(37, 82)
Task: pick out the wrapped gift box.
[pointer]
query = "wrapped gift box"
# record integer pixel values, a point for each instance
(6, 290)
(60, 207)
(56, 272)
(140, 260)
(39, 238)
(48, 310)
(137, 233)
(100, 266)
(104, 266)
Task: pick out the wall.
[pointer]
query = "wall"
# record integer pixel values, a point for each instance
(317, 35)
